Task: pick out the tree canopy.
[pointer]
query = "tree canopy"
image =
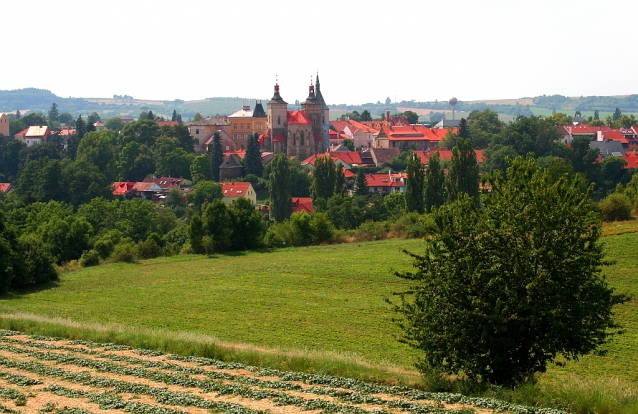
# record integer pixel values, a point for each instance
(503, 290)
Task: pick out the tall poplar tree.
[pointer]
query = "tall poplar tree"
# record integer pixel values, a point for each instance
(361, 184)
(414, 200)
(323, 179)
(463, 176)
(216, 156)
(279, 186)
(434, 184)
(252, 159)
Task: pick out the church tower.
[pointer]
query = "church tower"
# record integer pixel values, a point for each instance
(277, 116)
(325, 119)
(313, 109)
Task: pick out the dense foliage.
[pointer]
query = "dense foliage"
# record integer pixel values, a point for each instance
(503, 290)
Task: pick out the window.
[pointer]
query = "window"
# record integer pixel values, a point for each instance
(242, 147)
(242, 126)
(234, 126)
(235, 137)
(302, 138)
(259, 126)
(197, 132)
(278, 120)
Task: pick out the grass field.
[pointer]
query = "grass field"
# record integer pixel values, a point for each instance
(290, 308)
(326, 299)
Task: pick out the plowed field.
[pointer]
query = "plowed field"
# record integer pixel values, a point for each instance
(40, 374)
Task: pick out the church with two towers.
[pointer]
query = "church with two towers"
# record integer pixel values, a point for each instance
(298, 133)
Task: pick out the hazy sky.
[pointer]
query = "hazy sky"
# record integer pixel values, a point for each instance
(364, 51)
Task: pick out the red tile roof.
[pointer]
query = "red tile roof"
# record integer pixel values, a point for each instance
(165, 183)
(121, 188)
(302, 204)
(241, 153)
(5, 187)
(235, 189)
(297, 117)
(348, 157)
(280, 138)
(632, 159)
(614, 135)
(385, 180)
(23, 132)
(365, 128)
(444, 154)
(167, 123)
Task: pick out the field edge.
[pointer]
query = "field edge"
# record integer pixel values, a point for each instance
(200, 345)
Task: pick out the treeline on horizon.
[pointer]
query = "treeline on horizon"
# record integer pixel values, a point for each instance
(41, 99)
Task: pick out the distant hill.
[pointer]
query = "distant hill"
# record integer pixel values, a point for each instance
(33, 99)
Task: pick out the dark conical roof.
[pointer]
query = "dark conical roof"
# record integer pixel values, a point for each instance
(319, 95)
(276, 98)
(259, 111)
(312, 98)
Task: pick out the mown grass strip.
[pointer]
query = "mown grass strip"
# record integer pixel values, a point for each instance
(189, 344)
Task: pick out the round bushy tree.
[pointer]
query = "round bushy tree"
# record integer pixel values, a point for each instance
(503, 290)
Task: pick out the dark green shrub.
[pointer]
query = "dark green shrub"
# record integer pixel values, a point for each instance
(615, 207)
(90, 258)
(125, 251)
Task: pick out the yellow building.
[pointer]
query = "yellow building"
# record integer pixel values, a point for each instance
(245, 122)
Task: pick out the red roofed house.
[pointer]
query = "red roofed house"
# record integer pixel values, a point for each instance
(166, 184)
(233, 190)
(34, 135)
(361, 134)
(302, 204)
(167, 123)
(123, 188)
(444, 154)
(100, 126)
(5, 187)
(147, 191)
(626, 136)
(385, 184)
(347, 158)
(631, 158)
(297, 133)
(418, 137)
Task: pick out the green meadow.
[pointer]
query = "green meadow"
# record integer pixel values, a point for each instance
(318, 309)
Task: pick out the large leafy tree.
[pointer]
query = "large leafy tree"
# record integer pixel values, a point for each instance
(434, 191)
(414, 184)
(204, 192)
(200, 168)
(463, 176)
(279, 186)
(530, 134)
(503, 290)
(98, 148)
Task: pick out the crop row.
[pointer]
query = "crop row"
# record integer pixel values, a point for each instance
(348, 397)
(357, 392)
(165, 396)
